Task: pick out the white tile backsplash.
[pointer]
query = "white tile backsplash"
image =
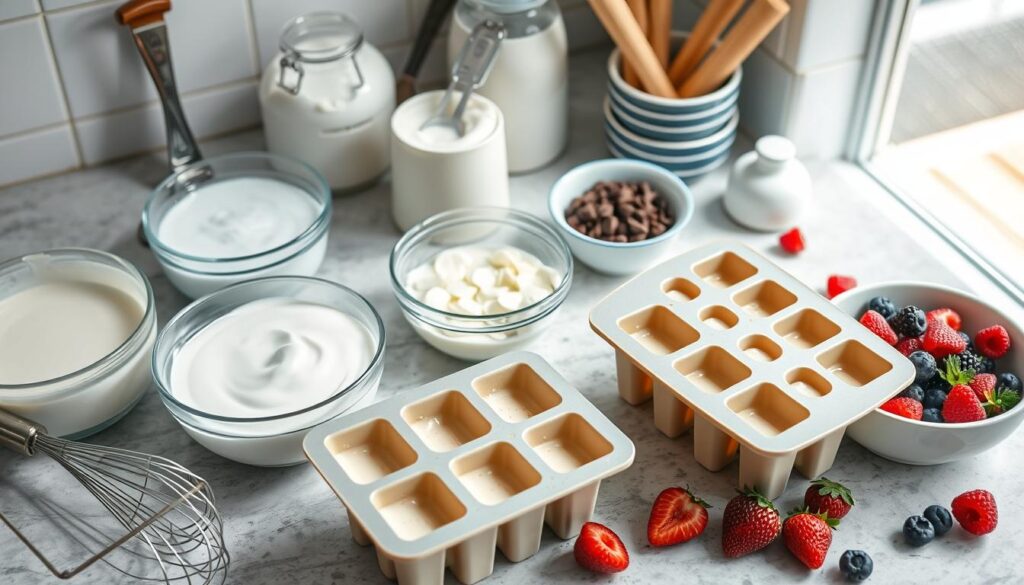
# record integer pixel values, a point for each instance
(17, 8)
(30, 96)
(40, 153)
(821, 109)
(58, 4)
(765, 94)
(829, 31)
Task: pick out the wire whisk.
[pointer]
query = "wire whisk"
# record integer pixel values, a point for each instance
(174, 532)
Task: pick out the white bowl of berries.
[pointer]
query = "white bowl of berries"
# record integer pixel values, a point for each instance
(968, 357)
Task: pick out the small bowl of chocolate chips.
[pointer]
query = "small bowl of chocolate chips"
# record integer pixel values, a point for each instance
(618, 215)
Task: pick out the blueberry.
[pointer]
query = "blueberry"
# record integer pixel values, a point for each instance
(940, 518)
(1008, 380)
(883, 306)
(986, 365)
(925, 366)
(936, 383)
(913, 391)
(934, 398)
(855, 565)
(932, 415)
(909, 322)
(918, 531)
(967, 339)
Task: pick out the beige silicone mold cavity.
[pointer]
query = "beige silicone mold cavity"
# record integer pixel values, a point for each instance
(766, 408)
(806, 328)
(567, 443)
(495, 473)
(439, 477)
(718, 317)
(774, 372)
(370, 451)
(446, 421)
(712, 369)
(418, 506)
(659, 330)
(760, 348)
(764, 298)
(516, 393)
(725, 270)
(680, 289)
(853, 363)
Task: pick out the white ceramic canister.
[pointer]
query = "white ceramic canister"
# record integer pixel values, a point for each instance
(530, 78)
(433, 173)
(326, 100)
(769, 189)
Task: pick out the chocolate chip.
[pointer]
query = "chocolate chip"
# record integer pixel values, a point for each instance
(620, 211)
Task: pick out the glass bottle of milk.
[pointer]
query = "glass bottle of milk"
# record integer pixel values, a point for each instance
(529, 81)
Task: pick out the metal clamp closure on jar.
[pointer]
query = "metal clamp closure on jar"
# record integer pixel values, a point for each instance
(310, 28)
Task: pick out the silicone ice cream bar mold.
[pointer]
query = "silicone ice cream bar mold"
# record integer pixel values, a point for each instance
(757, 363)
(438, 476)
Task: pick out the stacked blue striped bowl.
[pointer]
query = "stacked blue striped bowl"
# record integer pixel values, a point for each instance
(689, 137)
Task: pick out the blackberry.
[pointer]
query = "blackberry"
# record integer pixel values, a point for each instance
(968, 361)
(940, 518)
(855, 565)
(934, 398)
(1008, 380)
(883, 306)
(925, 366)
(913, 391)
(932, 415)
(986, 365)
(918, 531)
(909, 322)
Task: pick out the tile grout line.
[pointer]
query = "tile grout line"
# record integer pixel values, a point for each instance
(250, 16)
(65, 101)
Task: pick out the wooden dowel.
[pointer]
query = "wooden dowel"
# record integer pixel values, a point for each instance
(748, 32)
(625, 31)
(660, 31)
(639, 10)
(712, 22)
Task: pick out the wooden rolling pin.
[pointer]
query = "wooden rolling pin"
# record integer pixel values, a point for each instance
(639, 9)
(625, 31)
(710, 25)
(660, 30)
(748, 32)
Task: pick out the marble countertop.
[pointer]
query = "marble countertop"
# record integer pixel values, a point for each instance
(286, 526)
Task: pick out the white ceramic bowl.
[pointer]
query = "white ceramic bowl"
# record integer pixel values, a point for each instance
(612, 257)
(924, 443)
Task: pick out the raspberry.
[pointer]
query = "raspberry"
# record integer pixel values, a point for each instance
(976, 511)
(906, 407)
(962, 406)
(992, 342)
(792, 241)
(946, 314)
(908, 345)
(877, 324)
(837, 284)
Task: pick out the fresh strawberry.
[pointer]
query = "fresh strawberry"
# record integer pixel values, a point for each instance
(982, 384)
(962, 405)
(792, 241)
(908, 345)
(877, 324)
(946, 314)
(941, 340)
(905, 407)
(750, 523)
(829, 497)
(992, 342)
(837, 283)
(998, 401)
(677, 516)
(808, 537)
(600, 550)
(976, 511)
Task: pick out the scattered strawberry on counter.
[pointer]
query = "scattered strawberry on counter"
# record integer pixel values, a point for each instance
(975, 510)
(956, 377)
(750, 522)
(792, 241)
(808, 536)
(839, 283)
(830, 497)
(600, 550)
(677, 516)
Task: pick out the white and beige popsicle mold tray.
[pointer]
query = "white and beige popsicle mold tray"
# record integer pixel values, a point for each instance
(439, 475)
(755, 362)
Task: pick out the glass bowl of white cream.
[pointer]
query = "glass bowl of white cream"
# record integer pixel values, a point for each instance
(236, 217)
(77, 328)
(477, 282)
(249, 369)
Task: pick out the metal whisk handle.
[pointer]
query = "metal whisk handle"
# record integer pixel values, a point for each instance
(19, 434)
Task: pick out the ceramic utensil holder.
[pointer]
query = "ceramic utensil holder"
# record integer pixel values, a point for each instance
(757, 363)
(438, 476)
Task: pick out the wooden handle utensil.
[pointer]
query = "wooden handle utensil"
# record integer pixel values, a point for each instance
(626, 32)
(748, 32)
(639, 9)
(660, 29)
(712, 22)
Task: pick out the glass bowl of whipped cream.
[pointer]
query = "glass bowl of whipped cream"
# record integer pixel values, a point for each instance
(249, 369)
(478, 282)
(236, 217)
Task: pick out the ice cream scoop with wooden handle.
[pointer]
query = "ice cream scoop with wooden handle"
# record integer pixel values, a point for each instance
(628, 36)
(748, 32)
(715, 18)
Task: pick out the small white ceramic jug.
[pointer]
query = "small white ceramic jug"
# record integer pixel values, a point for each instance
(769, 189)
